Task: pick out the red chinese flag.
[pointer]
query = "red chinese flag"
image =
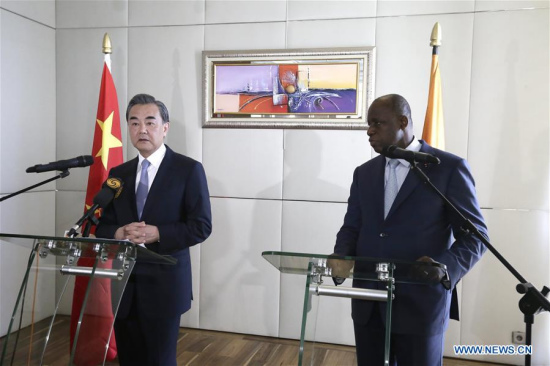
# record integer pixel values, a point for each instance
(98, 315)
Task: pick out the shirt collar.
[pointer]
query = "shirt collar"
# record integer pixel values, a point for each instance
(155, 158)
(415, 145)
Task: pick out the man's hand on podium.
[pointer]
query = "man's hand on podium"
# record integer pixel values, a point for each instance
(341, 269)
(431, 274)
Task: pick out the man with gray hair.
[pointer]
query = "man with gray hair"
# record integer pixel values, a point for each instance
(165, 206)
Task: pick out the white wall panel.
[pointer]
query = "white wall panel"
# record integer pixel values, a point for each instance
(172, 74)
(3, 327)
(239, 11)
(240, 289)
(484, 5)
(244, 36)
(1, 188)
(407, 7)
(490, 302)
(509, 128)
(69, 208)
(330, 9)
(319, 164)
(331, 33)
(28, 214)
(28, 88)
(244, 163)
(91, 13)
(403, 66)
(31, 213)
(42, 11)
(163, 12)
(79, 69)
(311, 227)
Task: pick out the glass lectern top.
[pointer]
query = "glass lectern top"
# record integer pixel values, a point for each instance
(87, 247)
(361, 268)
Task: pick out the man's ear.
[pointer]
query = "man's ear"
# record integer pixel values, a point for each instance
(404, 122)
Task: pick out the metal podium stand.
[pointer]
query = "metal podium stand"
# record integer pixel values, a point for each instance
(31, 337)
(385, 272)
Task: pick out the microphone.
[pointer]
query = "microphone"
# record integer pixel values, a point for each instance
(110, 190)
(395, 152)
(78, 162)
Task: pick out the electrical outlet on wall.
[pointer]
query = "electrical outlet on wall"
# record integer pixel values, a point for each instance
(518, 337)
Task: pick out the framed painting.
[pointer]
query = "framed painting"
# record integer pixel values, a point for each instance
(309, 88)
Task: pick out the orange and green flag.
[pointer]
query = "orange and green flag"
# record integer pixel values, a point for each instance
(434, 131)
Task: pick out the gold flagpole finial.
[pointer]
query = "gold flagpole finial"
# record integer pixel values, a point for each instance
(107, 44)
(436, 35)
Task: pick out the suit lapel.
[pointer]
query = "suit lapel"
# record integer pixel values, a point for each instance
(409, 185)
(131, 187)
(378, 187)
(126, 203)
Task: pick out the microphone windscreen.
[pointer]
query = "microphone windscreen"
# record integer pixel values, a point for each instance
(110, 190)
(104, 197)
(115, 184)
(388, 150)
(85, 160)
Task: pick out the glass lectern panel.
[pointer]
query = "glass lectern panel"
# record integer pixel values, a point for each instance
(315, 266)
(36, 333)
(360, 268)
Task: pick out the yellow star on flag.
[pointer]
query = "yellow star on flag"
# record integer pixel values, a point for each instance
(108, 141)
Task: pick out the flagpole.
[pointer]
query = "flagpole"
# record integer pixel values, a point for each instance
(433, 131)
(107, 50)
(435, 39)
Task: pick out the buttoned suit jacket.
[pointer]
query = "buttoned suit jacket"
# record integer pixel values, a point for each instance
(178, 204)
(418, 224)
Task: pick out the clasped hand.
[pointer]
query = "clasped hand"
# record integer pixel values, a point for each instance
(138, 232)
(340, 267)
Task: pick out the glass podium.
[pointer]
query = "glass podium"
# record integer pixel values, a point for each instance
(35, 335)
(386, 272)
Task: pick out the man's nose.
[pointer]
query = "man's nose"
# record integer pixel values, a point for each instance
(370, 130)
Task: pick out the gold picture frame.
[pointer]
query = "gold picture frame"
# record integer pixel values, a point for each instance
(300, 88)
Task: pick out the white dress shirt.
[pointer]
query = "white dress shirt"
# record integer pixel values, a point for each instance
(402, 169)
(154, 159)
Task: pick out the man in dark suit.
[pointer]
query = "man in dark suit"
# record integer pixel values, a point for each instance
(416, 226)
(164, 206)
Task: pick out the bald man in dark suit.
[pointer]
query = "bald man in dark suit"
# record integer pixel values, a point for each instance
(415, 226)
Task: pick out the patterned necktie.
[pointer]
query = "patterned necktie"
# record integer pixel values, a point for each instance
(391, 187)
(143, 187)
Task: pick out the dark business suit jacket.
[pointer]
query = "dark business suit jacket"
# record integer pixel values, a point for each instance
(178, 204)
(418, 224)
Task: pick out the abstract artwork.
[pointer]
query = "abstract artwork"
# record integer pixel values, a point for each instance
(293, 88)
(327, 90)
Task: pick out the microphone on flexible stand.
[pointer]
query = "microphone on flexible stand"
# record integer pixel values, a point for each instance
(110, 190)
(394, 152)
(78, 162)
